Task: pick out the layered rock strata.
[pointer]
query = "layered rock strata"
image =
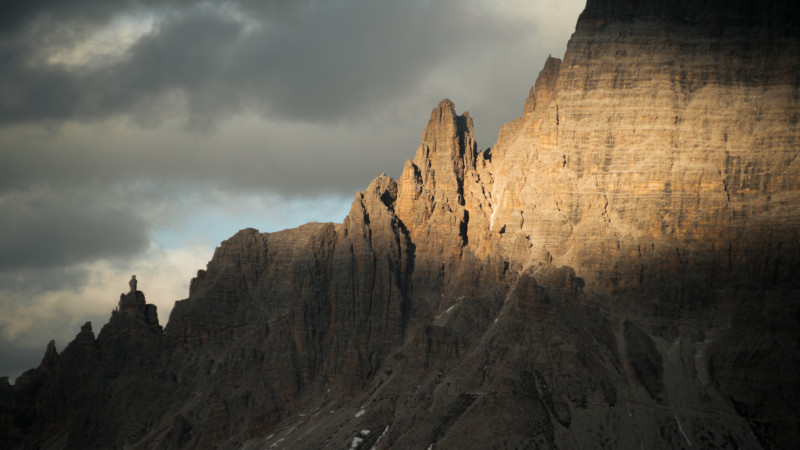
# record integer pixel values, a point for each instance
(663, 148)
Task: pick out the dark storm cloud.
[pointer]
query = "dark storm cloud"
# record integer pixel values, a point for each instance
(18, 14)
(246, 155)
(313, 61)
(15, 360)
(27, 350)
(34, 90)
(47, 231)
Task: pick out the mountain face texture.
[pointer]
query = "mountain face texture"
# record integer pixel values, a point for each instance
(619, 271)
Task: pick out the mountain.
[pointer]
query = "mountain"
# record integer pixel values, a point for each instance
(618, 271)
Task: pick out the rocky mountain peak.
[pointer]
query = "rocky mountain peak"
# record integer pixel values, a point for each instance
(134, 305)
(50, 358)
(434, 181)
(448, 149)
(544, 90)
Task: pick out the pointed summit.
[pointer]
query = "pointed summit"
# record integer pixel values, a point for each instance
(447, 138)
(435, 179)
(544, 90)
(133, 304)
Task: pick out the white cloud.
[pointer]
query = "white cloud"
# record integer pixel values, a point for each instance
(163, 276)
(550, 21)
(104, 45)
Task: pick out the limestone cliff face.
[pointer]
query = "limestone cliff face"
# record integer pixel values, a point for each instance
(618, 271)
(666, 142)
(442, 201)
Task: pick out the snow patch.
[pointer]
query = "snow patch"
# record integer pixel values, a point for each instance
(680, 428)
(385, 430)
(356, 442)
(361, 413)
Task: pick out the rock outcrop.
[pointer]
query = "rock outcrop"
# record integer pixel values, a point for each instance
(97, 391)
(618, 271)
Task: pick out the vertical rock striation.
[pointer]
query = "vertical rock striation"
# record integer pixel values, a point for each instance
(662, 148)
(442, 202)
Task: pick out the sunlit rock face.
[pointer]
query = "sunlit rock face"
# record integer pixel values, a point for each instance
(618, 271)
(664, 143)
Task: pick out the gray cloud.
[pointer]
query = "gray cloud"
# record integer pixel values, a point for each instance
(346, 84)
(45, 230)
(26, 351)
(112, 162)
(324, 61)
(22, 282)
(16, 359)
(18, 14)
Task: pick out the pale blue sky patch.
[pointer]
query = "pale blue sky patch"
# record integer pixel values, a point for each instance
(215, 222)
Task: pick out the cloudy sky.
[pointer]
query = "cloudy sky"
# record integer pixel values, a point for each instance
(136, 135)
